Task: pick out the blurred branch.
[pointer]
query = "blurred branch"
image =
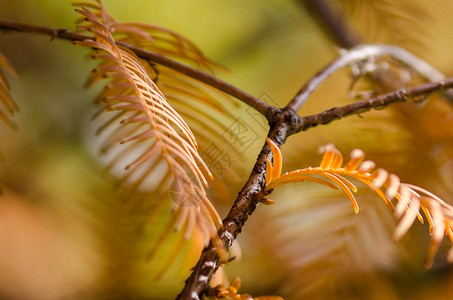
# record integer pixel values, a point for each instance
(64, 34)
(363, 53)
(378, 102)
(332, 21)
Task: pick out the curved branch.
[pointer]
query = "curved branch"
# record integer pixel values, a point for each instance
(378, 102)
(362, 53)
(64, 34)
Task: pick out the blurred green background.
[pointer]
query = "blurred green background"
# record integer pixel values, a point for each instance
(67, 233)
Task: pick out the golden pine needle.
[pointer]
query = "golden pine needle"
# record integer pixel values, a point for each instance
(221, 251)
(8, 106)
(345, 181)
(297, 176)
(450, 235)
(438, 232)
(235, 285)
(266, 201)
(337, 160)
(277, 158)
(403, 202)
(429, 218)
(380, 176)
(392, 186)
(357, 157)
(345, 188)
(408, 219)
(220, 292)
(328, 156)
(366, 167)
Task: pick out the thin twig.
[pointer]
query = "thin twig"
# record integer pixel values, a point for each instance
(359, 54)
(64, 34)
(378, 102)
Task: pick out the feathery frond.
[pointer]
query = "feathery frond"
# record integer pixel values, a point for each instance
(409, 198)
(7, 105)
(160, 147)
(318, 245)
(196, 102)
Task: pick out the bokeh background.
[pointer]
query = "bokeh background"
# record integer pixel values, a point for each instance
(66, 232)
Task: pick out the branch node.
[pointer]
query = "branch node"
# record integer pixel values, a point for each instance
(402, 95)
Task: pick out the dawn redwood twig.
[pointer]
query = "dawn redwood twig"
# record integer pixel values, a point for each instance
(64, 34)
(362, 53)
(378, 102)
(285, 122)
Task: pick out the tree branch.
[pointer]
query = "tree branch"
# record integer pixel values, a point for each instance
(359, 54)
(378, 102)
(284, 123)
(64, 34)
